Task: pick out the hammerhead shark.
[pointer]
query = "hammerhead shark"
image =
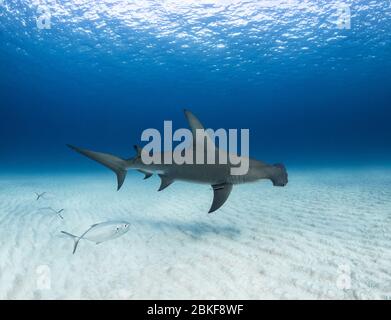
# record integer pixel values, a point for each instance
(217, 175)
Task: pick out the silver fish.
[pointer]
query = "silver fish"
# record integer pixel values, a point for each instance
(101, 232)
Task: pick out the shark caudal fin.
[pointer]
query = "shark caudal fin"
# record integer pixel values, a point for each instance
(76, 240)
(116, 164)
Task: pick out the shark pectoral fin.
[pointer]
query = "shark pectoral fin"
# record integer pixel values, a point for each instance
(165, 181)
(221, 193)
(147, 174)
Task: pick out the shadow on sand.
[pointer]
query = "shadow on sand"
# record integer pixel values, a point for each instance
(196, 230)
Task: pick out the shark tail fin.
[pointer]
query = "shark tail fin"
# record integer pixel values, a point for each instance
(116, 164)
(76, 240)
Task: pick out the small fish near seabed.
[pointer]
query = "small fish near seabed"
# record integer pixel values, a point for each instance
(57, 212)
(39, 195)
(101, 232)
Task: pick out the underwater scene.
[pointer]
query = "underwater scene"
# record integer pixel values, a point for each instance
(298, 96)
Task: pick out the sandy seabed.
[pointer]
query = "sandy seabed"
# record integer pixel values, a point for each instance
(324, 236)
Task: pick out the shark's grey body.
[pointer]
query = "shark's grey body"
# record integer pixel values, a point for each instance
(217, 175)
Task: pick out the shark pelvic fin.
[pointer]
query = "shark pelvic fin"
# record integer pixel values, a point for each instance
(165, 181)
(221, 193)
(147, 174)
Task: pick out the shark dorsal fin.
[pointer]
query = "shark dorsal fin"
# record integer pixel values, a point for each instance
(221, 193)
(165, 181)
(193, 121)
(195, 124)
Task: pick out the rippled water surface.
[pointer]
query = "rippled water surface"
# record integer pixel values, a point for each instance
(223, 36)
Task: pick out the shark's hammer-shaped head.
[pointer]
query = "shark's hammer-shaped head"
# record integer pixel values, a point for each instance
(278, 175)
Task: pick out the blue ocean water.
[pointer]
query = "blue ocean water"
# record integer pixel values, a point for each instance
(309, 78)
(310, 92)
